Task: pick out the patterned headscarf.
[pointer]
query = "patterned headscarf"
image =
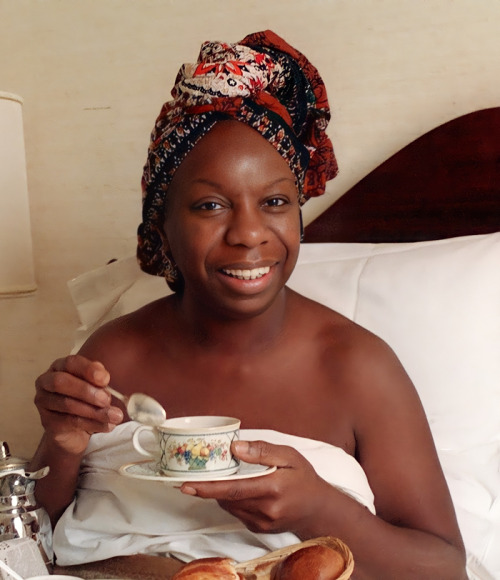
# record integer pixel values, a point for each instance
(261, 81)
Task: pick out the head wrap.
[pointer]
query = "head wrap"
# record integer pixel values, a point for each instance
(261, 81)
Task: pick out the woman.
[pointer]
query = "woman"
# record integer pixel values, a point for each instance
(233, 156)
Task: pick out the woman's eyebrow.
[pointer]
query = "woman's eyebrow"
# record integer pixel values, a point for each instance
(211, 183)
(290, 179)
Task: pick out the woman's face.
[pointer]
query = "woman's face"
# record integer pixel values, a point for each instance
(233, 224)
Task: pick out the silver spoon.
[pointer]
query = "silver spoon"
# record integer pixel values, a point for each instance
(141, 408)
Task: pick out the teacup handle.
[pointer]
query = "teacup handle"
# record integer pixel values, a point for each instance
(135, 440)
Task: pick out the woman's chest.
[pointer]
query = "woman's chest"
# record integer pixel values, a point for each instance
(287, 397)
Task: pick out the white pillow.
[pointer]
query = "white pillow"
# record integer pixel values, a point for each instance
(110, 291)
(437, 304)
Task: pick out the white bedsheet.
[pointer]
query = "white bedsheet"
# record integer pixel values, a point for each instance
(114, 515)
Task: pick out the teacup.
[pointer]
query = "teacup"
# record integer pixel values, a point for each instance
(193, 447)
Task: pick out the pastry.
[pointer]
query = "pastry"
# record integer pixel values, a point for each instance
(208, 569)
(311, 563)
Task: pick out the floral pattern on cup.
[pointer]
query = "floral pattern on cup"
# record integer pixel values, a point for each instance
(194, 454)
(199, 453)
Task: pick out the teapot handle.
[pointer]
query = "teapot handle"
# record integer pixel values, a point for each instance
(39, 473)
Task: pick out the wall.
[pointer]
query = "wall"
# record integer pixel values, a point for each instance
(94, 75)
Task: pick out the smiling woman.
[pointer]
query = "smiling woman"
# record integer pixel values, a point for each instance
(323, 403)
(232, 225)
(262, 82)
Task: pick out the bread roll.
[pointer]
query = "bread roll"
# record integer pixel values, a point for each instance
(311, 563)
(208, 569)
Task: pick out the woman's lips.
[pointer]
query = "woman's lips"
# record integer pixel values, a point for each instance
(252, 274)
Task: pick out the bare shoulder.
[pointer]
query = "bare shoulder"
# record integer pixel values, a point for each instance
(361, 369)
(339, 339)
(124, 340)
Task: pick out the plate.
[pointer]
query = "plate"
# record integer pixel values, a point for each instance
(147, 470)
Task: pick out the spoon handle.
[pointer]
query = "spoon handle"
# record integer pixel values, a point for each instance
(116, 394)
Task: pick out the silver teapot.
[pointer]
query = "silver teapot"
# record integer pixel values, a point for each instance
(20, 515)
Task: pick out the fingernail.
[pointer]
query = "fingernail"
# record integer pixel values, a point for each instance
(100, 376)
(241, 446)
(115, 415)
(101, 396)
(188, 490)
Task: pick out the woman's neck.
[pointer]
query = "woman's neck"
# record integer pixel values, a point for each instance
(249, 334)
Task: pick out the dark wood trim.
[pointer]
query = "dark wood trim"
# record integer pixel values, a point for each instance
(444, 184)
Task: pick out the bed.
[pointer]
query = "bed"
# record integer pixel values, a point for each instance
(411, 252)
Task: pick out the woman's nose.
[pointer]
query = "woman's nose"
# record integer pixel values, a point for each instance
(247, 227)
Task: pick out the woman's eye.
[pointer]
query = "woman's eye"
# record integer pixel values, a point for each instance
(276, 202)
(209, 205)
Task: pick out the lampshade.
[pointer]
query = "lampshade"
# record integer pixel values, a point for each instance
(16, 254)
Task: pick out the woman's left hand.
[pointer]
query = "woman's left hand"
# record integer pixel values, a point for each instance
(282, 501)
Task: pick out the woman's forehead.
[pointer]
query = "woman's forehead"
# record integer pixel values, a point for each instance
(229, 137)
(230, 149)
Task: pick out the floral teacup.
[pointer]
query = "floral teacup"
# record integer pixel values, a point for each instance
(193, 447)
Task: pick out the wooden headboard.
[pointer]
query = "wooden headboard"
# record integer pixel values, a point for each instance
(444, 184)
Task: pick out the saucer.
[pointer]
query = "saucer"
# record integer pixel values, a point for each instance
(147, 470)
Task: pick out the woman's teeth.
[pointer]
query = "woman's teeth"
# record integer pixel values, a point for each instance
(247, 274)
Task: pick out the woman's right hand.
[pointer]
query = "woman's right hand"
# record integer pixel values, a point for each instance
(73, 403)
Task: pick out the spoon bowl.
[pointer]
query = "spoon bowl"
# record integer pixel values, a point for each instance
(141, 408)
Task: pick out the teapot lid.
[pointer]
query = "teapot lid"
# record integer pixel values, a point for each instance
(8, 462)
